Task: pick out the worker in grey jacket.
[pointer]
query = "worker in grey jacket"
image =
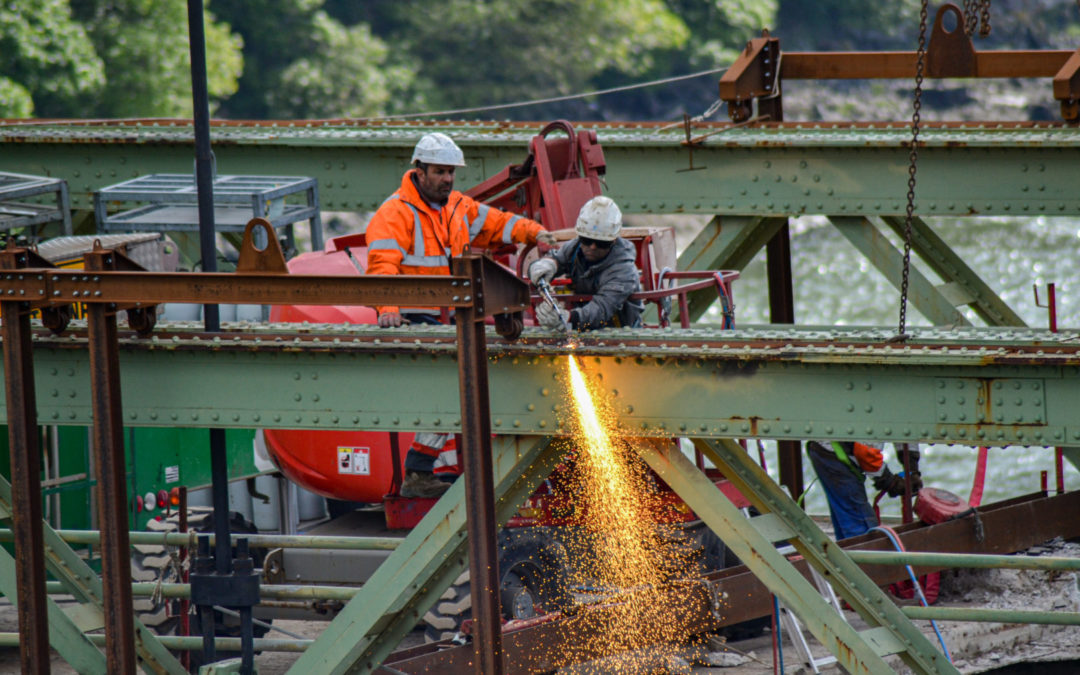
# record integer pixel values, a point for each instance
(599, 263)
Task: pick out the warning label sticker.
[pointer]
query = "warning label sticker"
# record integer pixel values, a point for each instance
(354, 461)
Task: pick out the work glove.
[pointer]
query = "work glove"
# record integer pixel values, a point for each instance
(869, 458)
(545, 238)
(893, 483)
(543, 270)
(549, 317)
(390, 320)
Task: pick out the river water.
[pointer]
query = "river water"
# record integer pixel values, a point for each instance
(836, 285)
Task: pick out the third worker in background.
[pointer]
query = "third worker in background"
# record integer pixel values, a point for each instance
(599, 263)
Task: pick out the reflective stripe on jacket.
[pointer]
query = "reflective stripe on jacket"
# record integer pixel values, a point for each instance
(407, 236)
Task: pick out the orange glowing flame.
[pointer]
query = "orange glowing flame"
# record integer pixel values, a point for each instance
(622, 553)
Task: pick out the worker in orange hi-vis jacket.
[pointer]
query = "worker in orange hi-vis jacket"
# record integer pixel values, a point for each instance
(416, 231)
(842, 468)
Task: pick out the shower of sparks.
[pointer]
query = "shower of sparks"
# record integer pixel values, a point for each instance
(623, 556)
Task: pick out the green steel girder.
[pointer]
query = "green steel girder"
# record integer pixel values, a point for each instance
(951, 268)
(993, 386)
(890, 262)
(84, 584)
(64, 636)
(423, 566)
(774, 169)
(891, 632)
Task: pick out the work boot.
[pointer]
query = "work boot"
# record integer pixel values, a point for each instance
(423, 484)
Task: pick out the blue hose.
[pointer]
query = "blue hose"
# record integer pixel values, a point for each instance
(915, 583)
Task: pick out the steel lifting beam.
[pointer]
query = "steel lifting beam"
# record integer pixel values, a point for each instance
(423, 566)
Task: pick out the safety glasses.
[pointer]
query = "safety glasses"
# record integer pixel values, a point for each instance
(602, 245)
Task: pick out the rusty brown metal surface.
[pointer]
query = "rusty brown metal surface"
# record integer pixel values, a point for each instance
(1008, 527)
(950, 53)
(267, 259)
(1067, 88)
(108, 447)
(753, 75)
(901, 65)
(148, 288)
(479, 477)
(25, 444)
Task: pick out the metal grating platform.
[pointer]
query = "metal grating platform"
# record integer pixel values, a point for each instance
(15, 213)
(170, 204)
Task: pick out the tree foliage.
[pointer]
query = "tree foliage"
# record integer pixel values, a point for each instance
(318, 67)
(473, 53)
(48, 61)
(144, 45)
(342, 58)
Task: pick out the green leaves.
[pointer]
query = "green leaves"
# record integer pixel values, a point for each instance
(48, 62)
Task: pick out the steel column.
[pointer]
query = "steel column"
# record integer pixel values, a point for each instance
(24, 441)
(782, 310)
(479, 480)
(108, 447)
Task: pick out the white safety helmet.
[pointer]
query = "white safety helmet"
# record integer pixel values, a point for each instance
(438, 148)
(600, 219)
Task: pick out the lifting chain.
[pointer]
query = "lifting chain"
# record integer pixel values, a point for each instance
(977, 13)
(920, 66)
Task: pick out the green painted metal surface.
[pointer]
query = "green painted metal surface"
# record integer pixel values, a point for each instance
(993, 615)
(980, 385)
(788, 169)
(846, 578)
(64, 636)
(922, 294)
(423, 567)
(84, 584)
(964, 560)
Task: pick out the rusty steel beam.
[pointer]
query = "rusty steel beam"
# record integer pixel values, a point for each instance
(901, 65)
(57, 287)
(108, 447)
(479, 477)
(1008, 526)
(25, 443)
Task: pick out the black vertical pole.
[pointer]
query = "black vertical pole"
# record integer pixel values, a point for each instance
(204, 181)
